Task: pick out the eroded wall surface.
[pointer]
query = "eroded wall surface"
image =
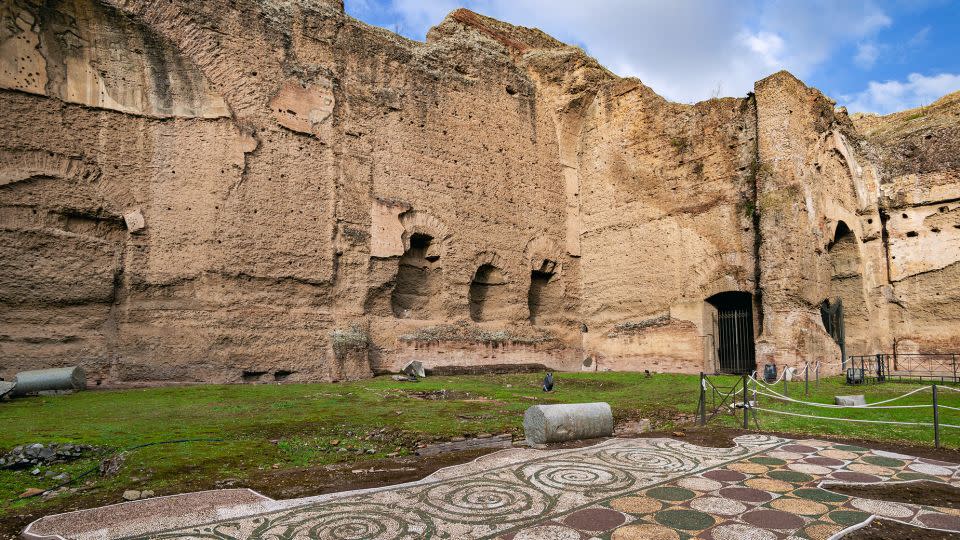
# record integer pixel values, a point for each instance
(273, 191)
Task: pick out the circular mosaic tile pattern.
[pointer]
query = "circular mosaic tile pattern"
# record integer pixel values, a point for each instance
(848, 517)
(636, 505)
(648, 531)
(786, 456)
(687, 520)
(809, 468)
(773, 519)
(765, 460)
(936, 462)
(821, 531)
(799, 448)
(928, 468)
(670, 493)
(745, 494)
(851, 448)
(769, 484)
(804, 507)
(739, 531)
(820, 495)
(594, 519)
(824, 461)
(848, 476)
(718, 505)
(883, 461)
(870, 469)
(699, 483)
(548, 532)
(918, 476)
(725, 475)
(790, 476)
(941, 521)
(882, 508)
(838, 454)
(749, 468)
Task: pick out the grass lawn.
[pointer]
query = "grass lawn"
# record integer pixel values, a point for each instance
(260, 427)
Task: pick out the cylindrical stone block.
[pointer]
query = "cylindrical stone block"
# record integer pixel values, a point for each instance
(42, 380)
(569, 422)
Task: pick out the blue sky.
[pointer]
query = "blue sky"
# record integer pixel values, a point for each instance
(871, 56)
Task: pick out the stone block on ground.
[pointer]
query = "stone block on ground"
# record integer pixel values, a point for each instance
(6, 387)
(415, 368)
(850, 401)
(544, 424)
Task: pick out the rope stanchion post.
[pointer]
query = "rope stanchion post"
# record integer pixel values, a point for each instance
(816, 372)
(746, 404)
(936, 420)
(786, 391)
(806, 379)
(703, 400)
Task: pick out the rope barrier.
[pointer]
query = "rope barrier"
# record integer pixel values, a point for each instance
(861, 407)
(778, 395)
(774, 411)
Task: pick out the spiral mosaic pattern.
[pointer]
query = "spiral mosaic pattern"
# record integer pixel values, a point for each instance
(648, 460)
(578, 476)
(479, 500)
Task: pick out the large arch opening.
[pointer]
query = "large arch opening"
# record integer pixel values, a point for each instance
(419, 279)
(733, 331)
(845, 314)
(489, 294)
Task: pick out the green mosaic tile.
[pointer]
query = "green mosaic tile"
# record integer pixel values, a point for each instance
(883, 461)
(790, 476)
(671, 493)
(690, 520)
(820, 495)
(848, 517)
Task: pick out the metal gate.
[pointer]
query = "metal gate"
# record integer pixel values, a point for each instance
(734, 333)
(832, 315)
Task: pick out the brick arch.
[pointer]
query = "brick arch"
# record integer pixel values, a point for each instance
(419, 222)
(19, 165)
(542, 253)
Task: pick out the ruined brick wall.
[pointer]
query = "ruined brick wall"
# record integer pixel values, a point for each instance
(273, 191)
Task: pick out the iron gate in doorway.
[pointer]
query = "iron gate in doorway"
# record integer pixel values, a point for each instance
(734, 332)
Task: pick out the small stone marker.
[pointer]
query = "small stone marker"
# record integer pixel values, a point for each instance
(134, 221)
(544, 424)
(850, 401)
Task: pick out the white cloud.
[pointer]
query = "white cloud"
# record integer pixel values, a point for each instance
(867, 54)
(891, 96)
(683, 49)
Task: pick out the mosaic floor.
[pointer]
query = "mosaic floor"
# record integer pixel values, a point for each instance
(621, 489)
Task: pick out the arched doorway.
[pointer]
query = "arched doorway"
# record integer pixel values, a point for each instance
(733, 332)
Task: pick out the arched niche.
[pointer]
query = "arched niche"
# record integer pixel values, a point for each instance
(418, 290)
(489, 295)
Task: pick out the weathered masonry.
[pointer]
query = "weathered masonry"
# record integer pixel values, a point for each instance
(269, 190)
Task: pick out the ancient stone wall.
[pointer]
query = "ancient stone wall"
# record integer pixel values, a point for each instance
(273, 191)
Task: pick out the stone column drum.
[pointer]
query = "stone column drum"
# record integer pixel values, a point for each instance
(568, 422)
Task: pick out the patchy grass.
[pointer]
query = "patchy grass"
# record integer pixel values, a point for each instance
(272, 426)
(293, 425)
